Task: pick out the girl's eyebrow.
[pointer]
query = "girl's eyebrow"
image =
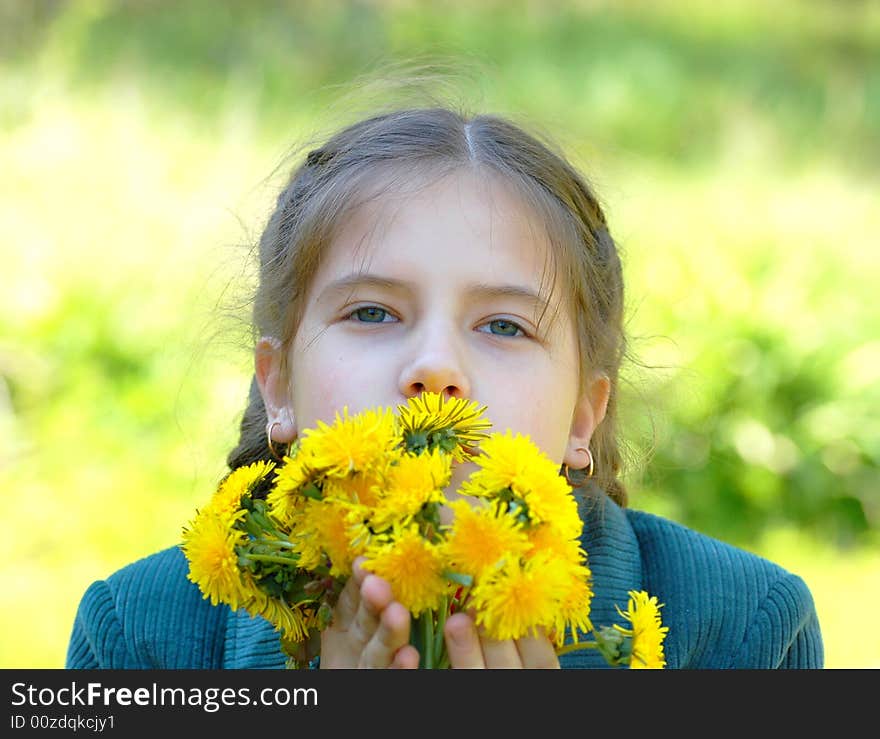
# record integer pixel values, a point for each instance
(477, 290)
(521, 292)
(362, 279)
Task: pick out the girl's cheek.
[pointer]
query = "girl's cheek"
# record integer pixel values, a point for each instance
(315, 390)
(341, 385)
(328, 392)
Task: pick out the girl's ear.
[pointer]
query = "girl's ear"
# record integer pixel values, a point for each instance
(268, 356)
(588, 414)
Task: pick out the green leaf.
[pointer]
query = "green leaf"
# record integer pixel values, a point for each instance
(459, 577)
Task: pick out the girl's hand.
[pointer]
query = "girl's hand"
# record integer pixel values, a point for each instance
(469, 648)
(369, 629)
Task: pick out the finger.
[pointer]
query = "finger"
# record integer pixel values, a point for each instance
(463, 643)
(350, 598)
(391, 635)
(500, 654)
(358, 571)
(338, 648)
(537, 652)
(347, 605)
(406, 658)
(375, 595)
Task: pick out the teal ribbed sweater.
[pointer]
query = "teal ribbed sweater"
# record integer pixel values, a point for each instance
(725, 608)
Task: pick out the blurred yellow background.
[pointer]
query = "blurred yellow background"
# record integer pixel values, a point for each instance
(737, 148)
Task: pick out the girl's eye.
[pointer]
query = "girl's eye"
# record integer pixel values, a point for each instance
(503, 327)
(371, 314)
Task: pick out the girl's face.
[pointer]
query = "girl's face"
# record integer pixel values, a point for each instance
(441, 290)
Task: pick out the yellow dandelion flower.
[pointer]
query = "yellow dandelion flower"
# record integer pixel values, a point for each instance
(209, 545)
(547, 541)
(360, 532)
(482, 538)
(548, 538)
(291, 620)
(506, 461)
(520, 598)
(647, 632)
(297, 469)
(548, 497)
(352, 443)
(453, 424)
(322, 533)
(575, 599)
(361, 487)
(413, 566)
(251, 591)
(238, 483)
(514, 462)
(285, 498)
(413, 482)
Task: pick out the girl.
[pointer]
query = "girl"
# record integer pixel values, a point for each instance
(423, 250)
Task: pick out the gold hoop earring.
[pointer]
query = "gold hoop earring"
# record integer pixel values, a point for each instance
(584, 473)
(590, 468)
(269, 426)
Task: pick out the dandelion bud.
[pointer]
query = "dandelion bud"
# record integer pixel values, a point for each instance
(324, 615)
(614, 645)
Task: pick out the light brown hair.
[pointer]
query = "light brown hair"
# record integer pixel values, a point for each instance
(380, 153)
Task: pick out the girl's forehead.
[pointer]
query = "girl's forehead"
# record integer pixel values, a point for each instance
(430, 219)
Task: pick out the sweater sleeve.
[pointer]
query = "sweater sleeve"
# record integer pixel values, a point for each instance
(726, 608)
(147, 615)
(98, 641)
(784, 632)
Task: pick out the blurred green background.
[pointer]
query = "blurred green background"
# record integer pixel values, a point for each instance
(736, 146)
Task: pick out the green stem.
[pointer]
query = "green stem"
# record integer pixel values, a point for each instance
(575, 647)
(427, 619)
(280, 543)
(415, 640)
(270, 558)
(439, 641)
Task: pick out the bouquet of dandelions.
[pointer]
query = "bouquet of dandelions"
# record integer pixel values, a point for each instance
(372, 485)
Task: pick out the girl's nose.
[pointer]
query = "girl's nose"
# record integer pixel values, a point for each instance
(436, 367)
